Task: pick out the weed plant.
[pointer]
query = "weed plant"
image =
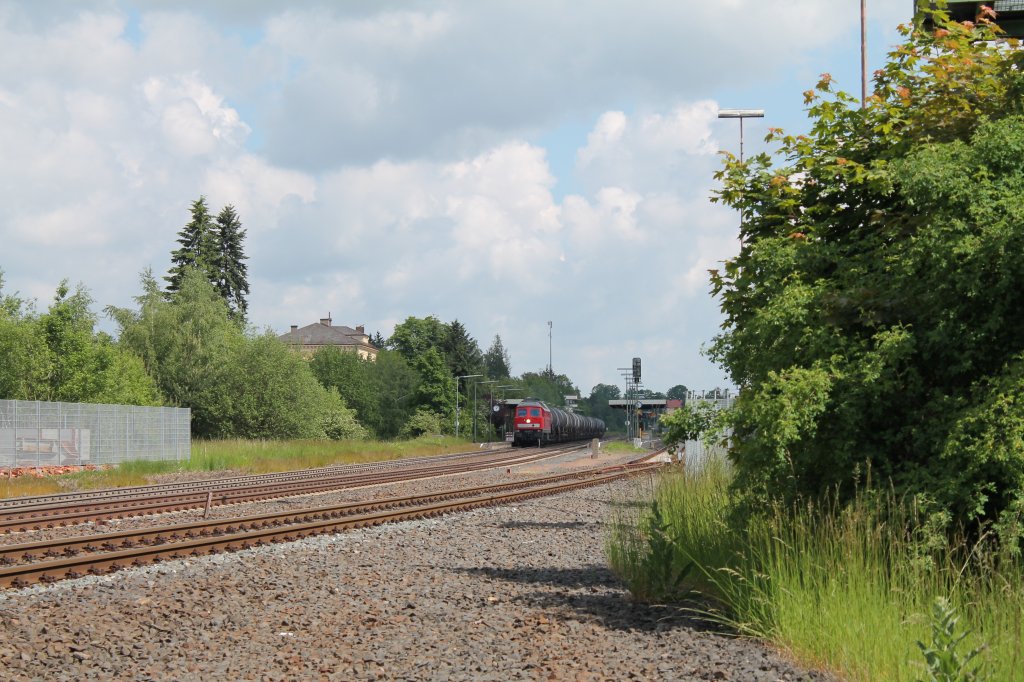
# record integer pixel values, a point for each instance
(850, 588)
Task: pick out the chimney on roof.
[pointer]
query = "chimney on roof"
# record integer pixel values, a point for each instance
(295, 328)
(361, 329)
(326, 321)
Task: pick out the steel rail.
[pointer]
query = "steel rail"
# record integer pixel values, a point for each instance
(7, 504)
(35, 518)
(78, 566)
(110, 541)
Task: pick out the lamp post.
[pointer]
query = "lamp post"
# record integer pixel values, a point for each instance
(475, 384)
(741, 114)
(457, 379)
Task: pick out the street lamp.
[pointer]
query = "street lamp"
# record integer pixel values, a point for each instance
(457, 379)
(741, 114)
(475, 384)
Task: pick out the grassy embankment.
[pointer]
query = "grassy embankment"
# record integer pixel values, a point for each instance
(240, 456)
(851, 590)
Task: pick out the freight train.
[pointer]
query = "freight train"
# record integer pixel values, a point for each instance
(537, 424)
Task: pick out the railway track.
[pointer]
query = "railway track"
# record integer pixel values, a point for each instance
(58, 510)
(111, 493)
(52, 560)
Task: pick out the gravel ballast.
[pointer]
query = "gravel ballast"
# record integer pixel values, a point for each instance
(510, 593)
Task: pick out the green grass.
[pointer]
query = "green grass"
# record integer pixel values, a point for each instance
(240, 456)
(849, 589)
(622, 446)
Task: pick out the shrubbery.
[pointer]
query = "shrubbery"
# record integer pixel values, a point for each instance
(58, 355)
(874, 314)
(238, 385)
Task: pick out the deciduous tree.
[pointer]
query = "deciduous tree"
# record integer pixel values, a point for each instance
(543, 386)
(25, 368)
(415, 336)
(596, 405)
(677, 392)
(348, 374)
(237, 385)
(691, 422)
(873, 317)
(396, 385)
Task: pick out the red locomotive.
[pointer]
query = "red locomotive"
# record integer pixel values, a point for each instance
(537, 424)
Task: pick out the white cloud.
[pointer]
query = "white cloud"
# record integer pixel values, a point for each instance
(192, 117)
(418, 82)
(649, 150)
(384, 157)
(256, 189)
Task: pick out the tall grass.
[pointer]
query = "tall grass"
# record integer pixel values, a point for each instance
(239, 456)
(848, 588)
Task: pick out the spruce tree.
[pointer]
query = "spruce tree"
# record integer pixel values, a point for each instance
(229, 262)
(197, 246)
(461, 350)
(496, 360)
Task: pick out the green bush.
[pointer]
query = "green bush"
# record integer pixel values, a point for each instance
(873, 313)
(423, 422)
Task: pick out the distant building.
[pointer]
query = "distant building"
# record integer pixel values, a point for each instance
(311, 338)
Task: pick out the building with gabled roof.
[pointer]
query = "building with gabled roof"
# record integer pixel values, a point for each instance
(311, 338)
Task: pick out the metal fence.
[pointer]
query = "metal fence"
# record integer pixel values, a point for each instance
(699, 452)
(34, 434)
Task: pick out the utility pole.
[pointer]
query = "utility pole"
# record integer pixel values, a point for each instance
(457, 380)
(863, 55)
(551, 367)
(475, 384)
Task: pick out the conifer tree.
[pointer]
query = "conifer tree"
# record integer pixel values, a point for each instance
(496, 360)
(229, 261)
(461, 350)
(197, 246)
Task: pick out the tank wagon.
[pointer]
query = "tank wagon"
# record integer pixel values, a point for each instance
(537, 424)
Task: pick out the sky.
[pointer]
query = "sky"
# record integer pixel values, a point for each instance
(505, 163)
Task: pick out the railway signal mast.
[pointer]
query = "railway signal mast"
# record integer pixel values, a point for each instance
(631, 375)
